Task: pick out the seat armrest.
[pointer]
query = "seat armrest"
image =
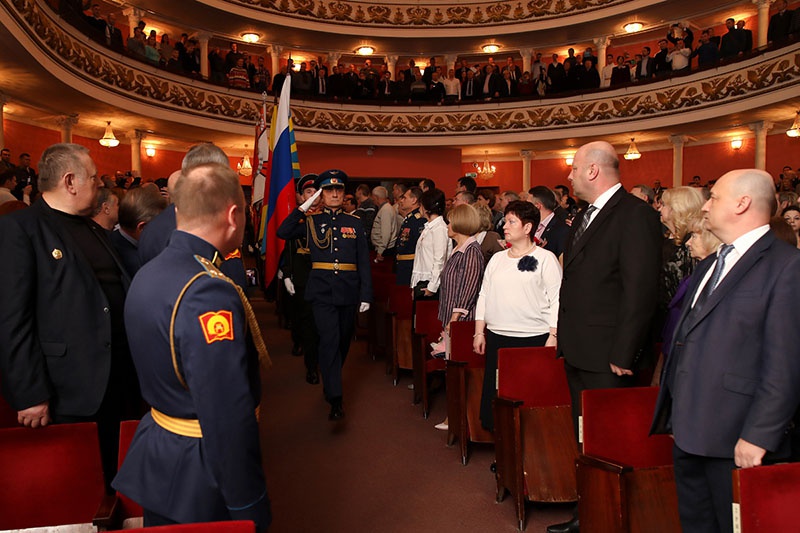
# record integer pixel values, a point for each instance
(603, 464)
(105, 516)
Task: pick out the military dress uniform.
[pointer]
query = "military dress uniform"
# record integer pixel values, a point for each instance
(196, 456)
(410, 231)
(340, 279)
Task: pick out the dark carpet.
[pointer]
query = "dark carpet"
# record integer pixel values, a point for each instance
(384, 468)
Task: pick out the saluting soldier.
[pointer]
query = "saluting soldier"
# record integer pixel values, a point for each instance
(410, 230)
(296, 268)
(196, 456)
(340, 283)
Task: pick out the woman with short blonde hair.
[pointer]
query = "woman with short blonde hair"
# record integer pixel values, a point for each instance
(487, 238)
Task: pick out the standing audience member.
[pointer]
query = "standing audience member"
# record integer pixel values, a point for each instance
(106, 209)
(729, 387)
(679, 206)
(462, 273)
(383, 234)
(780, 23)
(433, 247)
(63, 350)
(551, 232)
(679, 57)
(732, 43)
(410, 231)
(196, 457)
(8, 183)
(26, 175)
(611, 266)
(367, 210)
(136, 209)
(518, 301)
(487, 237)
(791, 215)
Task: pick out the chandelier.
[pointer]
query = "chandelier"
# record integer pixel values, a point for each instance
(794, 131)
(485, 172)
(244, 167)
(632, 153)
(109, 140)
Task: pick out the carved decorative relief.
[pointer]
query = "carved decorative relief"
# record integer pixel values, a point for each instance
(131, 79)
(414, 14)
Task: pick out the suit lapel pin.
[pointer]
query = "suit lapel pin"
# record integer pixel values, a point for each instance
(57, 254)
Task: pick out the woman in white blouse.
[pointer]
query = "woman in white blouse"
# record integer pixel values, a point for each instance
(433, 247)
(518, 302)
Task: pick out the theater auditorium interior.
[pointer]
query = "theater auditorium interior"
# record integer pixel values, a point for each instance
(514, 120)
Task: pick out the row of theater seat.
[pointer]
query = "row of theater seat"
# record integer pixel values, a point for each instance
(623, 478)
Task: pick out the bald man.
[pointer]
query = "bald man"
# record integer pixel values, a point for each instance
(608, 294)
(732, 380)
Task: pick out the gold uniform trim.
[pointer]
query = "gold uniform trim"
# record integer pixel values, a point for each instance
(405, 257)
(185, 427)
(350, 267)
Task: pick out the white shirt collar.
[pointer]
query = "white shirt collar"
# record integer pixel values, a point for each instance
(603, 199)
(744, 242)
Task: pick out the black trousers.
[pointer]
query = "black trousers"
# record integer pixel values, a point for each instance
(705, 492)
(304, 328)
(580, 380)
(335, 325)
(493, 343)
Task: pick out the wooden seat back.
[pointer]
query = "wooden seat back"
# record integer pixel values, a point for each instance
(765, 498)
(400, 302)
(616, 423)
(51, 476)
(532, 375)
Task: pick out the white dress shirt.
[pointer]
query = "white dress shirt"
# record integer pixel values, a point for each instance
(433, 249)
(602, 200)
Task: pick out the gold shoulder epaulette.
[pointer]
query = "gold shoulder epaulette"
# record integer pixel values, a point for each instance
(212, 269)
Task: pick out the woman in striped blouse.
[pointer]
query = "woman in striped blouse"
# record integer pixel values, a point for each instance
(463, 271)
(518, 302)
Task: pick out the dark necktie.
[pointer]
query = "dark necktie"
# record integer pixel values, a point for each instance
(469, 87)
(713, 281)
(584, 223)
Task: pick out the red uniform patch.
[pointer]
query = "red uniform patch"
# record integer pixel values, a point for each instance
(217, 326)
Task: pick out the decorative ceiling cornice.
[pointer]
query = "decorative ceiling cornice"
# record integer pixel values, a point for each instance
(471, 15)
(771, 76)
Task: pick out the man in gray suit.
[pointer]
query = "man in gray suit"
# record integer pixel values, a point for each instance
(732, 381)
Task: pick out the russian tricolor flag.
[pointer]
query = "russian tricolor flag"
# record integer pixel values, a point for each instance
(280, 170)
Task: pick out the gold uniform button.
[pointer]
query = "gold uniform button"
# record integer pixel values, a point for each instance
(57, 254)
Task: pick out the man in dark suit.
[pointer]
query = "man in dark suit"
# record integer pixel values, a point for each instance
(608, 295)
(646, 67)
(732, 43)
(113, 34)
(747, 36)
(386, 87)
(63, 349)
(730, 385)
(779, 23)
(552, 231)
(136, 209)
(513, 70)
(470, 88)
(155, 236)
(661, 65)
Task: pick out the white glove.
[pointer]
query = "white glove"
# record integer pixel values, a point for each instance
(364, 307)
(308, 203)
(289, 286)
(280, 274)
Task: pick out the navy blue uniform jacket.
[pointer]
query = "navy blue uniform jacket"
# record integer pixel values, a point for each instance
(410, 231)
(218, 477)
(736, 369)
(348, 244)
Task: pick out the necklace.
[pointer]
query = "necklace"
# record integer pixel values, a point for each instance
(512, 255)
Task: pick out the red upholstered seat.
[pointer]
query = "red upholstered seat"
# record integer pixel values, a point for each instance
(765, 498)
(464, 375)
(50, 476)
(626, 480)
(616, 423)
(427, 328)
(400, 313)
(534, 441)
(239, 526)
